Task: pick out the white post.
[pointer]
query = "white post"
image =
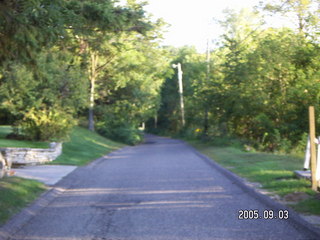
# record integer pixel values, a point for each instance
(307, 156)
(317, 162)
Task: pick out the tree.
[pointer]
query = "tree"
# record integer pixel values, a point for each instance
(194, 69)
(128, 89)
(261, 82)
(51, 94)
(100, 25)
(32, 35)
(28, 26)
(304, 13)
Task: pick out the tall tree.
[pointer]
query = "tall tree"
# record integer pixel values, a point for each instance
(128, 89)
(304, 13)
(102, 22)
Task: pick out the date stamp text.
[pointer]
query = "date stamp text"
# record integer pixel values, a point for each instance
(265, 214)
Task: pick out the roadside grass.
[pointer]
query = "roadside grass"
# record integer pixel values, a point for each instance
(16, 193)
(308, 206)
(5, 130)
(274, 172)
(85, 146)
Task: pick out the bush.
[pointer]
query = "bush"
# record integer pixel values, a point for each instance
(123, 132)
(187, 133)
(51, 124)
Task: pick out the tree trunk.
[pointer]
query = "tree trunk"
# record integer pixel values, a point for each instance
(205, 124)
(92, 76)
(206, 108)
(156, 120)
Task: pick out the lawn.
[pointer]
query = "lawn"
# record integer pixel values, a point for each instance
(274, 172)
(85, 146)
(5, 130)
(16, 193)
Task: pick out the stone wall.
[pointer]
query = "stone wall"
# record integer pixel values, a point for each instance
(31, 156)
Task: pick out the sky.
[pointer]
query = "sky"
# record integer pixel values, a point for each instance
(192, 20)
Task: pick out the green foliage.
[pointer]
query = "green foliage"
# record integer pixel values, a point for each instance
(127, 92)
(188, 133)
(300, 148)
(169, 114)
(57, 80)
(43, 102)
(43, 124)
(16, 87)
(258, 87)
(50, 49)
(116, 122)
(122, 132)
(303, 13)
(26, 27)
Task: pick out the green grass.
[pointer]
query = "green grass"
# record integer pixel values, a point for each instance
(5, 130)
(274, 172)
(85, 146)
(16, 193)
(308, 206)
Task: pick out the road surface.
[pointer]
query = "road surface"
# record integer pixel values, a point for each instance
(160, 190)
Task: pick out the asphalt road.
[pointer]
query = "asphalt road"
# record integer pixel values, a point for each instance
(160, 190)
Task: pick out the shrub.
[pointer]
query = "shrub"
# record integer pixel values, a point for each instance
(121, 131)
(44, 124)
(187, 133)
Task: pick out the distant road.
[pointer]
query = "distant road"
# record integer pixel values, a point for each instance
(160, 190)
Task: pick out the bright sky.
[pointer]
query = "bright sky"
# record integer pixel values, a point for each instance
(191, 20)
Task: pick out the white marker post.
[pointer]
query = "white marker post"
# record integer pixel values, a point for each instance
(307, 156)
(318, 162)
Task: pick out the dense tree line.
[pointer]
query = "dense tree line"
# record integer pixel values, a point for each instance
(99, 64)
(260, 82)
(60, 59)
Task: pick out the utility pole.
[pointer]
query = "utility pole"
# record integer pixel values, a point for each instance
(178, 66)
